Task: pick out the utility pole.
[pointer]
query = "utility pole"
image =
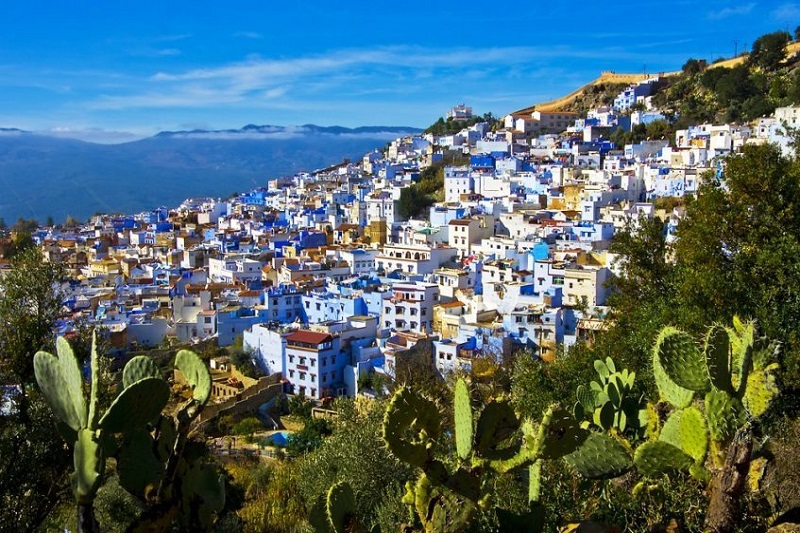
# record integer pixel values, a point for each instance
(736, 48)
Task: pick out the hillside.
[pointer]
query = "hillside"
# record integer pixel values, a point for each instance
(45, 176)
(739, 89)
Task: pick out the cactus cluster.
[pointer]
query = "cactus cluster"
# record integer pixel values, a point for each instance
(732, 374)
(148, 446)
(610, 402)
(448, 492)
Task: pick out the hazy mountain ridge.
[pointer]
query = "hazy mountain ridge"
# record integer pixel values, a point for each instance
(43, 176)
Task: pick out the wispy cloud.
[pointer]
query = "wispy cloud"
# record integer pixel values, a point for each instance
(788, 12)
(248, 35)
(168, 52)
(724, 13)
(174, 37)
(93, 135)
(301, 82)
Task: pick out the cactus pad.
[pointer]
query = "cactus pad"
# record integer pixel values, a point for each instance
(725, 413)
(562, 435)
(587, 398)
(656, 457)
(682, 360)
(495, 425)
(602, 370)
(668, 390)
(137, 466)
(89, 466)
(462, 411)
(694, 434)
(196, 373)
(718, 358)
(137, 405)
(760, 391)
(410, 424)
(73, 378)
(671, 430)
(604, 416)
(600, 456)
(52, 380)
(138, 368)
(340, 507)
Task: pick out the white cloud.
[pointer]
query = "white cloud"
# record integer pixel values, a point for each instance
(724, 13)
(248, 34)
(789, 12)
(93, 135)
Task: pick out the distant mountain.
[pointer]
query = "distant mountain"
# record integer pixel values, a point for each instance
(43, 176)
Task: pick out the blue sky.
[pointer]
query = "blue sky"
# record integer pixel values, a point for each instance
(112, 70)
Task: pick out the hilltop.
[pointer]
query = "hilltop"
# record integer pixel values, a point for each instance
(738, 89)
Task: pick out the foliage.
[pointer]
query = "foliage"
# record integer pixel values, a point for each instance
(352, 453)
(769, 50)
(300, 405)
(30, 303)
(248, 426)
(451, 126)
(694, 66)
(412, 202)
(308, 438)
(271, 497)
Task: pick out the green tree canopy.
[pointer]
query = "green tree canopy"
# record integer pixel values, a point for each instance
(769, 50)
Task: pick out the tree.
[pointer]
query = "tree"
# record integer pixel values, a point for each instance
(737, 248)
(72, 222)
(247, 427)
(412, 202)
(354, 453)
(694, 66)
(769, 50)
(34, 461)
(30, 304)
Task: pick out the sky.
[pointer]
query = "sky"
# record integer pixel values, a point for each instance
(115, 71)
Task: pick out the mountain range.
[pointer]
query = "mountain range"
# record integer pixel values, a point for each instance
(42, 176)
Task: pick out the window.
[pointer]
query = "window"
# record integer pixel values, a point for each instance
(313, 362)
(313, 392)
(302, 375)
(324, 361)
(313, 378)
(207, 320)
(302, 360)
(333, 359)
(291, 373)
(325, 377)
(291, 359)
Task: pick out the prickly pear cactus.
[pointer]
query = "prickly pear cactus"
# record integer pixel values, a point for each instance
(718, 358)
(600, 456)
(139, 368)
(340, 507)
(682, 360)
(657, 457)
(760, 391)
(410, 424)
(462, 411)
(610, 401)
